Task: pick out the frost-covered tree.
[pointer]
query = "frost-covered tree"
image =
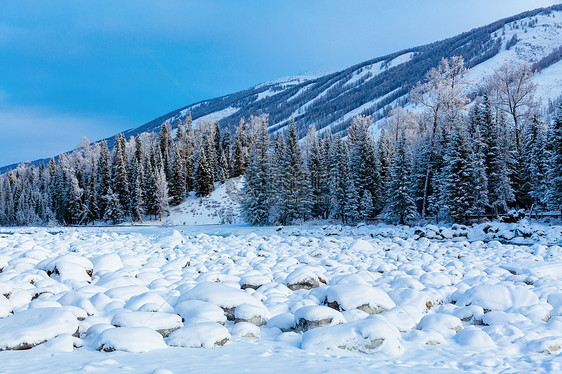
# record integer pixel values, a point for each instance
(459, 184)
(555, 173)
(401, 207)
(257, 192)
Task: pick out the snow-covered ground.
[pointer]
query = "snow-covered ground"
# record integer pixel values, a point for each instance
(236, 298)
(222, 206)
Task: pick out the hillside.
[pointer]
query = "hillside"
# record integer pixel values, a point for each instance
(374, 87)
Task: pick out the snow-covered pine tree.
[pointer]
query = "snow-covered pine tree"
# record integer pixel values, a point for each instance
(166, 149)
(113, 208)
(177, 187)
(137, 200)
(363, 158)
(103, 177)
(536, 162)
(401, 207)
(317, 171)
(459, 182)
(384, 155)
(500, 192)
(257, 191)
(161, 190)
(204, 176)
(150, 202)
(239, 160)
(340, 179)
(480, 177)
(555, 171)
(75, 207)
(296, 191)
(119, 182)
(366, 207)
(277, 167)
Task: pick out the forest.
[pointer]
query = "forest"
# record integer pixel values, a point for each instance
(444, 157)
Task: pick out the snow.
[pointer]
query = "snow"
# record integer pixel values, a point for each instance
(200, 335)
(35, 326)
(220, 207)
(130, 339)
(441, 301)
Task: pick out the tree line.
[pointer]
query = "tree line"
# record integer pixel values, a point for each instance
(440, 158)
(140, 177)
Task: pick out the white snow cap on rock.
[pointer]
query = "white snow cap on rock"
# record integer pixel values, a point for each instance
(200, 335)
(35, 326)
(129, 339)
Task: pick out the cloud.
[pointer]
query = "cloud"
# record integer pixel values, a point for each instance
(31, 133)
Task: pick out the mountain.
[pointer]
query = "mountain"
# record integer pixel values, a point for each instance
(376, 86)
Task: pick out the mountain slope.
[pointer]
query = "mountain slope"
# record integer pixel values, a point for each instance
(374, 87)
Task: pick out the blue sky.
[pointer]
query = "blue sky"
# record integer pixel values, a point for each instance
(84, 68)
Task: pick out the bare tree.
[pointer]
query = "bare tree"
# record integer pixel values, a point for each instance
(514, 92)
(443, 97)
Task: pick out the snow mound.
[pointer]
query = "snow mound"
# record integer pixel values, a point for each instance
(498, 297)
(32, 327)
(474, 337)
(357, 296)
(164, 323)
(221, 295)
(313, 316)
(196, 310)
(372, 335)
(200, 335)
(130, 339)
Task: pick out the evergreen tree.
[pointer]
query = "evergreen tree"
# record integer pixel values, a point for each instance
(257, 191)
(178, 187)
(363, 158)
(480, 177)
(401, 206)
(459, 185)
(161, 189)
(113, 208)
(555, 172)
(204, 175)
(296, 192)
(119, 182)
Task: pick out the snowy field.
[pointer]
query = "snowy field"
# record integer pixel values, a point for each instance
(306, 299)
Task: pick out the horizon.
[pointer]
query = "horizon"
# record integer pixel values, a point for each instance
(99, 69)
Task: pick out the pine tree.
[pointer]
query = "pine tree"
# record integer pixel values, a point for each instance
(113, 210)
(296, 192)
(204, 175)
(459, 184)
(480, 177)
(178, 187)
(318, 176)
(104, 177)
(257, 191)
(537, 163)
(401, 206)
(161, 189)
(119, 182)
(364, 162)
(499, 184)
(555, 172)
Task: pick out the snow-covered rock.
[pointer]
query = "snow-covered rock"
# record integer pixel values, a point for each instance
(372, 335)
(200, 335)
(310, 317)
(129, 339)
(32, 327)
(368, 299)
